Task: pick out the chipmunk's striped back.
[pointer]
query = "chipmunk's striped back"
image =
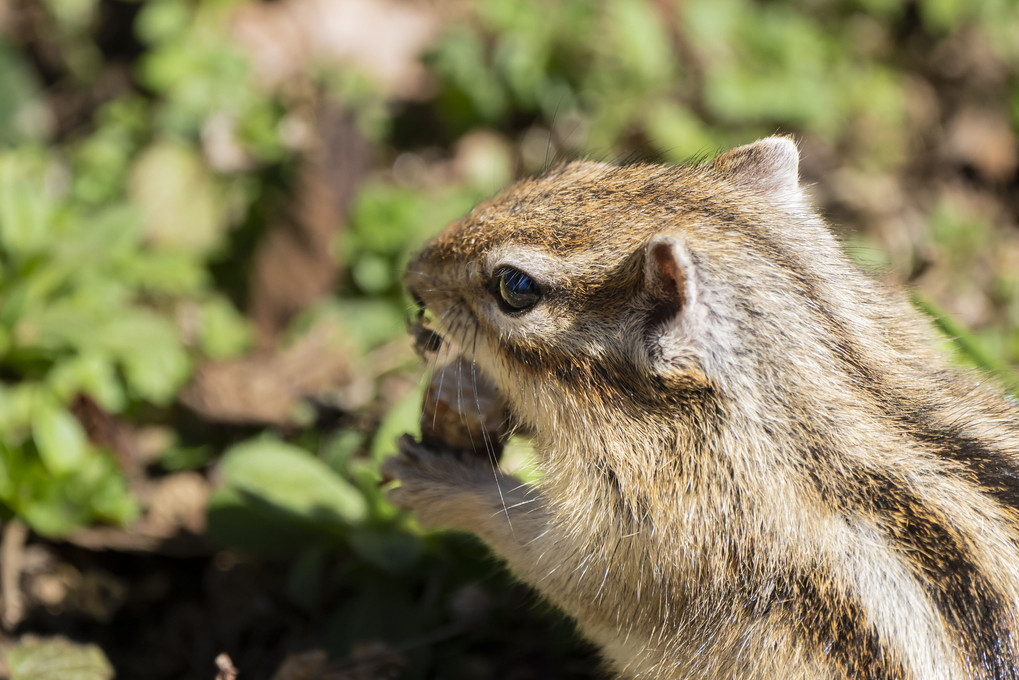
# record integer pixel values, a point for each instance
(756, 464)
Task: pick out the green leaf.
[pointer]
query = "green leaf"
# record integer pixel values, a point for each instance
(157, 375)
(170, 273)
(91, 374)
(338, 449)
(942, 15)
(394, 551)
(178, 457)
(26, 211)
(154, 361)
(460, 59)
(99, 236)
(247, 524)
(373, 274)
(73, 15)
(223, 332)
(16, 405)
(292, 480)
(63, 324)
(8, 463)
(56, 659)
(50, 516)
(404, 417)
(100, 161)
(23, 113)
(163, 19)
(384, 216)
(55, 505)
(109, 497)
(178, 198)
(58, 436)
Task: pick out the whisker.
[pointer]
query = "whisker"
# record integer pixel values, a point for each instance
(522, 503)
(489, 446)
(435, 363)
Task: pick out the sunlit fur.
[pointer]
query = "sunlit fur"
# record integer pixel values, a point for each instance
(756, 466)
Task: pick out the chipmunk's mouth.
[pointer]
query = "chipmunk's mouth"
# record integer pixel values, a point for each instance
(427, 341)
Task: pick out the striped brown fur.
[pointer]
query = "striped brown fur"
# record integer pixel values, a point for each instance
(756, 465)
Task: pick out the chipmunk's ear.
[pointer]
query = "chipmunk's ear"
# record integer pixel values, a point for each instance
(771, 164)
(678, 315)
(670, 277)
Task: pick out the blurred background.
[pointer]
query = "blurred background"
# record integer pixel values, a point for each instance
(205, 207)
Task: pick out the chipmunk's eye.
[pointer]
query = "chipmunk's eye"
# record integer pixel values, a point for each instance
(515, 290)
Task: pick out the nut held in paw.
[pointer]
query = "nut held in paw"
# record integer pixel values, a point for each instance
(463, 412)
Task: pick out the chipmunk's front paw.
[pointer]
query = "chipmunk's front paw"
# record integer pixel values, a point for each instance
(443, 489)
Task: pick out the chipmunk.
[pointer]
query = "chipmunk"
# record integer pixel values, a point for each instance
(756, 465)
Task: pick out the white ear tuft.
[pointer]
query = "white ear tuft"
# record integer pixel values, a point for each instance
(771, 163)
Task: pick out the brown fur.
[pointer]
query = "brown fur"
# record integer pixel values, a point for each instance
(756, 466)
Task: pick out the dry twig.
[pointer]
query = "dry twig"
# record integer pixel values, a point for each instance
(225, 669)
(11, 550)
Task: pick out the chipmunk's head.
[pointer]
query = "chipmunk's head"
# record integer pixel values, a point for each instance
(612, 287)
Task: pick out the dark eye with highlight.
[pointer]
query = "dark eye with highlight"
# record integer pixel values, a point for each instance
(515, 290)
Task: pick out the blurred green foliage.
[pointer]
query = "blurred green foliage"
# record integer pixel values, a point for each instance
(116, 230)
(105, 239)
